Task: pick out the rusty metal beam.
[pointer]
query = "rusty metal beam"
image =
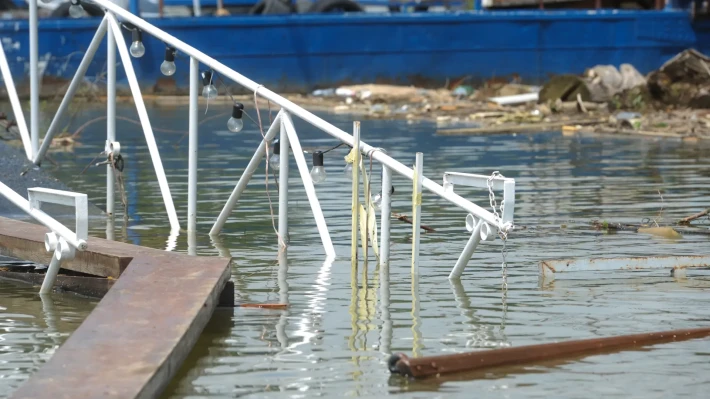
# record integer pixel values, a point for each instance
(445, 364)
(140, 333)
(549, 268)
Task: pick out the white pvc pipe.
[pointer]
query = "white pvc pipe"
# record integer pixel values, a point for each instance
(283, 184)
(246, 176)
(34, 78)
(196, 8)
(145, 123)
(192, 146)
(417, 211)
(294, 109)
(42, 217)
(51, 276)
(110, 118)
(471, 245)
(15, 102)
(386, 329)
(75, 82)
(308, 185)
(355, 192)
(385, 215)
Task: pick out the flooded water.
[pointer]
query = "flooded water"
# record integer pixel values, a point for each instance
(342, 324)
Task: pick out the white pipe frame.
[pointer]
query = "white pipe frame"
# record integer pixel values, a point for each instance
(287, 123)
(192, 152)
(288, 134)
(110, 119)
(15, 102)
(60, 239)
(246, 175)
(75, 82)
(145, 122)
(34, 78)
(300, 112)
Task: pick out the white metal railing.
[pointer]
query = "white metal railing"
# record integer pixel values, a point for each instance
(283, 125)
(61, 240)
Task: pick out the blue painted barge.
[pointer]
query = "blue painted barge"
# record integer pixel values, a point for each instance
(302, 52)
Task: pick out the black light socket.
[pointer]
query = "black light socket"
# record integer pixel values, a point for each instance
(206, 78)
(277, 147)
(169, 54)
(137, 35)
(318, 158)
(237, 111)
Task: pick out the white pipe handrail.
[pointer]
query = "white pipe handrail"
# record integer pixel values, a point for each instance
(72, 238)
(15, 102)
(298, 111)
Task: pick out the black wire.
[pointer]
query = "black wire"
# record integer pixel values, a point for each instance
(339, 145)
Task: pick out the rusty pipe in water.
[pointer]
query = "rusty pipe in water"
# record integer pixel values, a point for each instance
(444, 364)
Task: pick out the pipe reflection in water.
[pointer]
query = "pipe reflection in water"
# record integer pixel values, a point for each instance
(110, 226)
(50, 319)
(192, 242)
(479, 335)
(282, 279)
(416, 321)
(218, 244)
(386, 329)
(172, 240)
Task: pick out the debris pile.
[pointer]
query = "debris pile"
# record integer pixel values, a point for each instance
(673, 101)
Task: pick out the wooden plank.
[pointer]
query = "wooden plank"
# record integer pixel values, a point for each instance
(139, 334)
(26, 241)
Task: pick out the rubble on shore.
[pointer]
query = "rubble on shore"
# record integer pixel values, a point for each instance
(673, 101)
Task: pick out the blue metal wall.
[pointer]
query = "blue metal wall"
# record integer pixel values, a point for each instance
(302, 52)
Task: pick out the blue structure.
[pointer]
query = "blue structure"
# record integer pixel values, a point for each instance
(301, 52)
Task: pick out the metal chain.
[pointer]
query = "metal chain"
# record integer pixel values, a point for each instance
(502, 232)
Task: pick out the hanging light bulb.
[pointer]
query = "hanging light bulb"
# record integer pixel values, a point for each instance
(348, 171)
(377, 201)
(235, 123)
(167, 68)
(137, 47)
(208, 91)
(76, 10)
(275, 159)
(318, 172)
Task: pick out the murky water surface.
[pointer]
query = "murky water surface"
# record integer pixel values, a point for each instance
(342, 324)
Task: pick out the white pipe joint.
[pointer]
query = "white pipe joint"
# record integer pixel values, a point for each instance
(64, 250)
(487, 233)
(471, 222)
(50, 241)
(113, 148)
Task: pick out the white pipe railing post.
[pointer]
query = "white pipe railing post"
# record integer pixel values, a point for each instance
(385, 214)
(474, 226)
(145, 123)
(192, 147)
(246, 175)
(308, 185)
(34, 78)
(75, 82)
(110, 119)
(283, 184)
(355, 191)
(417, 210)
(16, 105)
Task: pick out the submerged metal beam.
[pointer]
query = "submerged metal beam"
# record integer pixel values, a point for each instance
(480, 360)
(549, 268)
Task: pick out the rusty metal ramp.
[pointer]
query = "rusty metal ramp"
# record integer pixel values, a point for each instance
(139, 334)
